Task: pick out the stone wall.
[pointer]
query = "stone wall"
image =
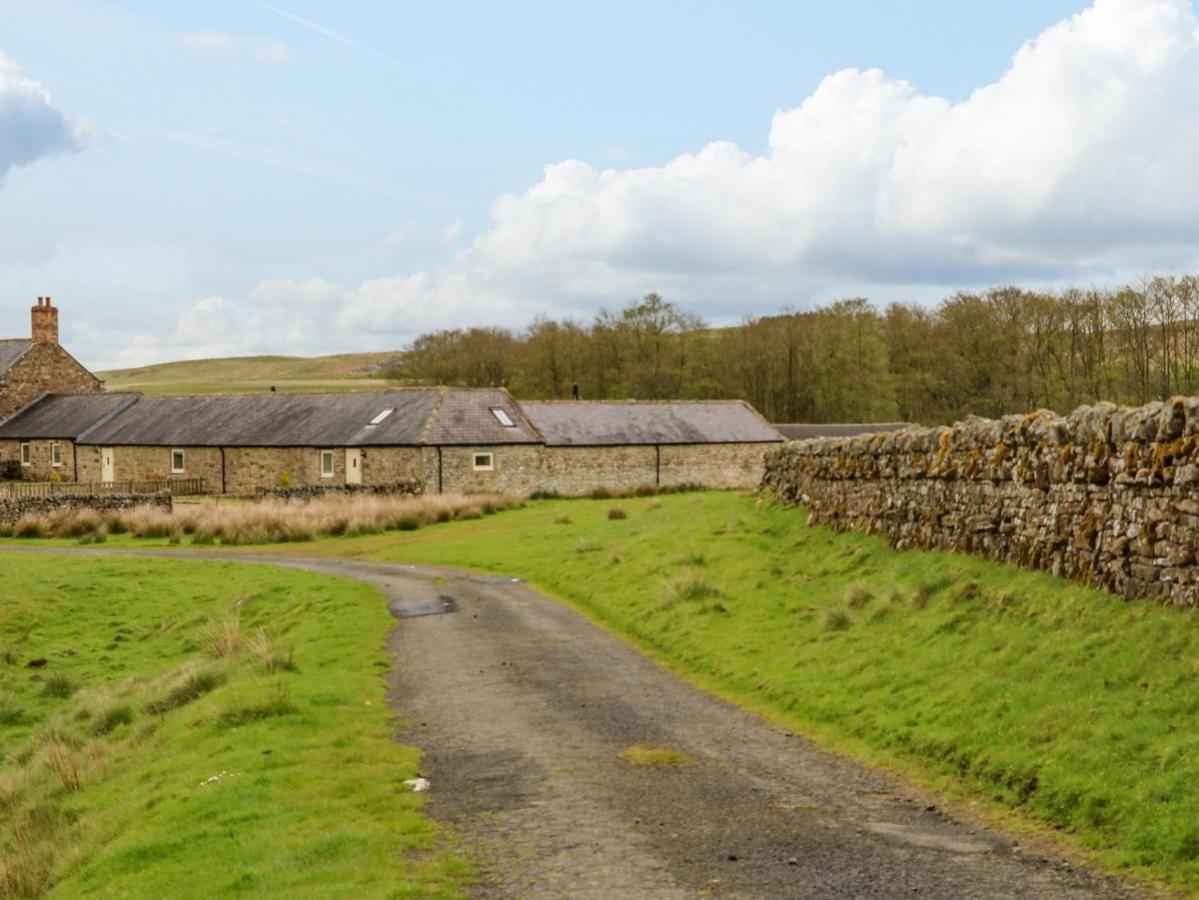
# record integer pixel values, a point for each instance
(152, 464)
(312, 491)
(518, 469)
(577, 471)
(41, 459)
(13, 508)
(43, 368)
(1107, 496)
(714, 465)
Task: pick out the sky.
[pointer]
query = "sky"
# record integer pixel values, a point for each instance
(195, 179)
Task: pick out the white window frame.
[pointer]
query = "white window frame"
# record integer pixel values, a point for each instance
(26, 454)
(55, 455)
(327, 455)
(501, 416)
(182, 467)
(488, 466)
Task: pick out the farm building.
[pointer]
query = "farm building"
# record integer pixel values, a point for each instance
(449, 440)
(625, 444)
(29, 367)
(61, 426)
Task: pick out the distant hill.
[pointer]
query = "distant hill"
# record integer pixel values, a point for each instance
(256, 374)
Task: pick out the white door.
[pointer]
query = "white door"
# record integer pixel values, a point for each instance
(353, 467)
(106, 465)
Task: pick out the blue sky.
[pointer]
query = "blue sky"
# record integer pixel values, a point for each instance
(192, 179)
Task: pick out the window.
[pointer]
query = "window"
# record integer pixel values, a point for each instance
(484, 462)
(503, 417)
(55, 453)
(327, 463)
(26, 455)
(177, 462)
(383, 415)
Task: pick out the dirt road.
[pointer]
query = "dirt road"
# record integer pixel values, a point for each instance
(522, 707)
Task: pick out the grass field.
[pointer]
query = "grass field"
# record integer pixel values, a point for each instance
(254, 374)
(1021, 691)
(200, 730)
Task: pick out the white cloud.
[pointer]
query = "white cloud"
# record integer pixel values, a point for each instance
(30, 127)
(396, 237)
(1078, 164)
(207, 40)
(263, 49)
(452, 232)
(275, 52)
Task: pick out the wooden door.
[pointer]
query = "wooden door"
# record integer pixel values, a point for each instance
(106, 465)
(353, 467)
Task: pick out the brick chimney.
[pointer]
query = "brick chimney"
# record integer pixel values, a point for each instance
(44, 318)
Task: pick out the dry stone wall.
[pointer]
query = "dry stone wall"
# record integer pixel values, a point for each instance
(1107, 496)
(313, 491)
(13, 508)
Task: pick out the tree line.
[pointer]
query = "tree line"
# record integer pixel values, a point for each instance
(1005, 350)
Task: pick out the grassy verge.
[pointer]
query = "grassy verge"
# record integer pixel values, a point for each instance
(202, 729)
(1073, 707)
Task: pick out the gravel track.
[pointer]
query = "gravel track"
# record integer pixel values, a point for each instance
(521, 707)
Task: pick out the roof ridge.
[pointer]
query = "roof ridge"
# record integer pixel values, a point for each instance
(130, 399)
(434, 413)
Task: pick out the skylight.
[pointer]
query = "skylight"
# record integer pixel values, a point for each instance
(502, 416)
(383, 415)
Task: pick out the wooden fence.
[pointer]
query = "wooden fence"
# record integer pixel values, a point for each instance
(176, 486)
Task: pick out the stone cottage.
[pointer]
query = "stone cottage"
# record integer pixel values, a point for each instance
(448, 440)
(56, 423)
(30, 367)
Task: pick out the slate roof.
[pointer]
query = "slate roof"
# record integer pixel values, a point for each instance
(468, 417)
(801, 432)
(12, 349)
(601, 423)
(63, 416)
(272, 420)
(417, 417)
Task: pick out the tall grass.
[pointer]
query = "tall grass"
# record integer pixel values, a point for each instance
(266, 522)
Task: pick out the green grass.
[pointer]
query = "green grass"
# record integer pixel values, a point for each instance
(1075, 708)
(146, 758)
(254, 374)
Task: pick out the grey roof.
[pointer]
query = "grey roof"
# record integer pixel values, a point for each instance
(803, 431)
(272, 420)
(468, 417)
(11, 350)
(63, 416)
(591, 424)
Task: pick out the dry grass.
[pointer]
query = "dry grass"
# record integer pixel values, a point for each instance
(857, 596)
(274, 658)
(63, 761)
(267, 522)
(223, 636)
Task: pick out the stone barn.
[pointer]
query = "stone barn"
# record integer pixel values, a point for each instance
(30, 367)
(622, 445)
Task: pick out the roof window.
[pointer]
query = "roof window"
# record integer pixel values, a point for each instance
(377, 420)
(503, 417)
